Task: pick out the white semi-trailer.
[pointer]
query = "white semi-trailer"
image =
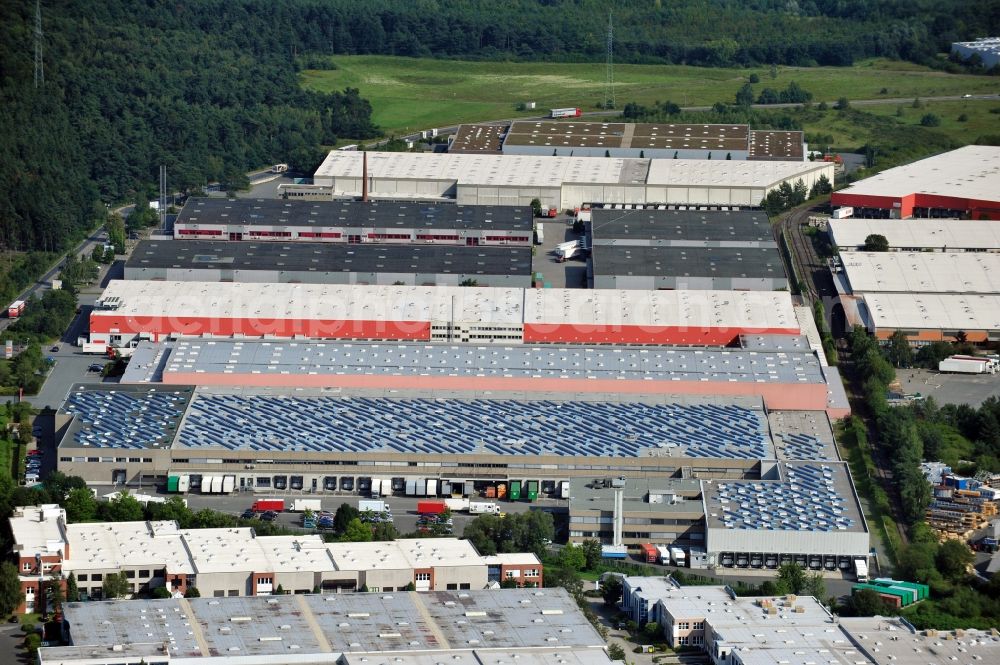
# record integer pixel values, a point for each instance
(968, 365)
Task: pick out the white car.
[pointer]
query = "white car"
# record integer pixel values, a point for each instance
(966, 96)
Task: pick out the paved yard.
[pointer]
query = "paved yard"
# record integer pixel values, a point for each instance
(950, 388)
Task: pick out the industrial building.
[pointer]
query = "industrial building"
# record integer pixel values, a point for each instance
(559, 182)
(353, 222)
(132, 310)
(894, 640)
(526, 626)
(684, 249)
(326, 440)
(927, 317)
(924, 273)
(963, 183)
(917, 235)
(986, 48)
(783, 379)
(227, 562)
(329, 263)
(577, 138)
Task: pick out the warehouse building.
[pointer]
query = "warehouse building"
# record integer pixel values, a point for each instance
(560, 182)
(225, 562)
(527, 626)
(784, 379)
(329, 263)
(986, 48)
(132, 310)
(927, 317)
(917, 235)
(684, 249)
(468, 436)
(963, 183)
(353, 222)
(925, 273)
(806, 512)
(634, 140)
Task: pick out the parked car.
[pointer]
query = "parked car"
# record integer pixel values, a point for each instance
(269, 516)
(34, 452)
(248, 514)
(55, 349)
(96, 367)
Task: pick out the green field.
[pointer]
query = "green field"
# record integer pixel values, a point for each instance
(408, 94)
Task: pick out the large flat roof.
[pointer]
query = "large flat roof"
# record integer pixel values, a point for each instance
(890, 641)
(704, 262)
(479, 138)
(666, 136)
(318, 625)
(971, 172)
(728, 173)
(321, 257)
(776, 144)
(354, 214)
(944, 234)
(621, 363)
(811, 496)
(933, 311)
(38, 529)
(681, 228)
(922, 272)
(736, 310)
(500, 170)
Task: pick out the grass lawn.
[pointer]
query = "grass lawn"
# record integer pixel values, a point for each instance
(980, 119)
(415, 93)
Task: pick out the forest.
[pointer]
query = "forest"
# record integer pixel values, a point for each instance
(210, 89)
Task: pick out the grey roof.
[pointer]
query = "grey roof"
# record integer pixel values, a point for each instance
(330, 257)
(519, 361)
(681, 227)
(586, 494)
(810, 496)
(381, 214)
(772, 343)
(802, 435)
(708, 262)
(334, 623)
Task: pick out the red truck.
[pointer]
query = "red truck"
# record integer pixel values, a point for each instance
(431, 507)
(649, 552)
(264, 505)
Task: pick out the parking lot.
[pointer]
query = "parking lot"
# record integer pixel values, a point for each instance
(404, 509)
(971, 389)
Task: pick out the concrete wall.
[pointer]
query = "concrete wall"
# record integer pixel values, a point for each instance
(474, 576)
(852, 543)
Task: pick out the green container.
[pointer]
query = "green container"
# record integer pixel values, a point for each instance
(515, 490)
(173, 483)
(532, 490)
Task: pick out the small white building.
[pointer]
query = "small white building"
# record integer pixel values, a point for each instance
(987, 48)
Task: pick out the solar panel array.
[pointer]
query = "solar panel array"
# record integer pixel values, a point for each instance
(114, 419)
(798, 446)
(451, 426)
(807, 501)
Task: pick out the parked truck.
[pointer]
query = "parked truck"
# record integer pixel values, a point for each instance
(567, 250)
(373, 505)
(302, 505)
(431, 507)
(483, 508)
(178, 483)
(843, 212)
(457, 504)
(565, 113)
(539, 234)
(968, 365)
(662, 554)
(678, 557)
(264, 505)
(649, 552)
(861, 570)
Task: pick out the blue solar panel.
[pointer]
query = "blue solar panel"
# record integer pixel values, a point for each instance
(503, 427)
(807, 501)
(801, 446)
(113, 419)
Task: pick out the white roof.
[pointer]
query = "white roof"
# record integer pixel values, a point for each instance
(890, 641)
(947, 234)
(39, 529)
(922, 272)
(917, 311)
(730, 173)
(222, 300)
(972, 172)
(728, 309)
(414, 553)
(474, 169)
(114, 545)
(296, 554)
(511, 559)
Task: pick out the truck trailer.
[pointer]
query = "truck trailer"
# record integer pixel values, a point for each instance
(861, 570)
(678, 557)
(264, 505)
(565, 113)
(968, 365)
(483, 508)
(15, 309)
(302, 505)
(373, 505)
(431, 507)
(649, 552)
